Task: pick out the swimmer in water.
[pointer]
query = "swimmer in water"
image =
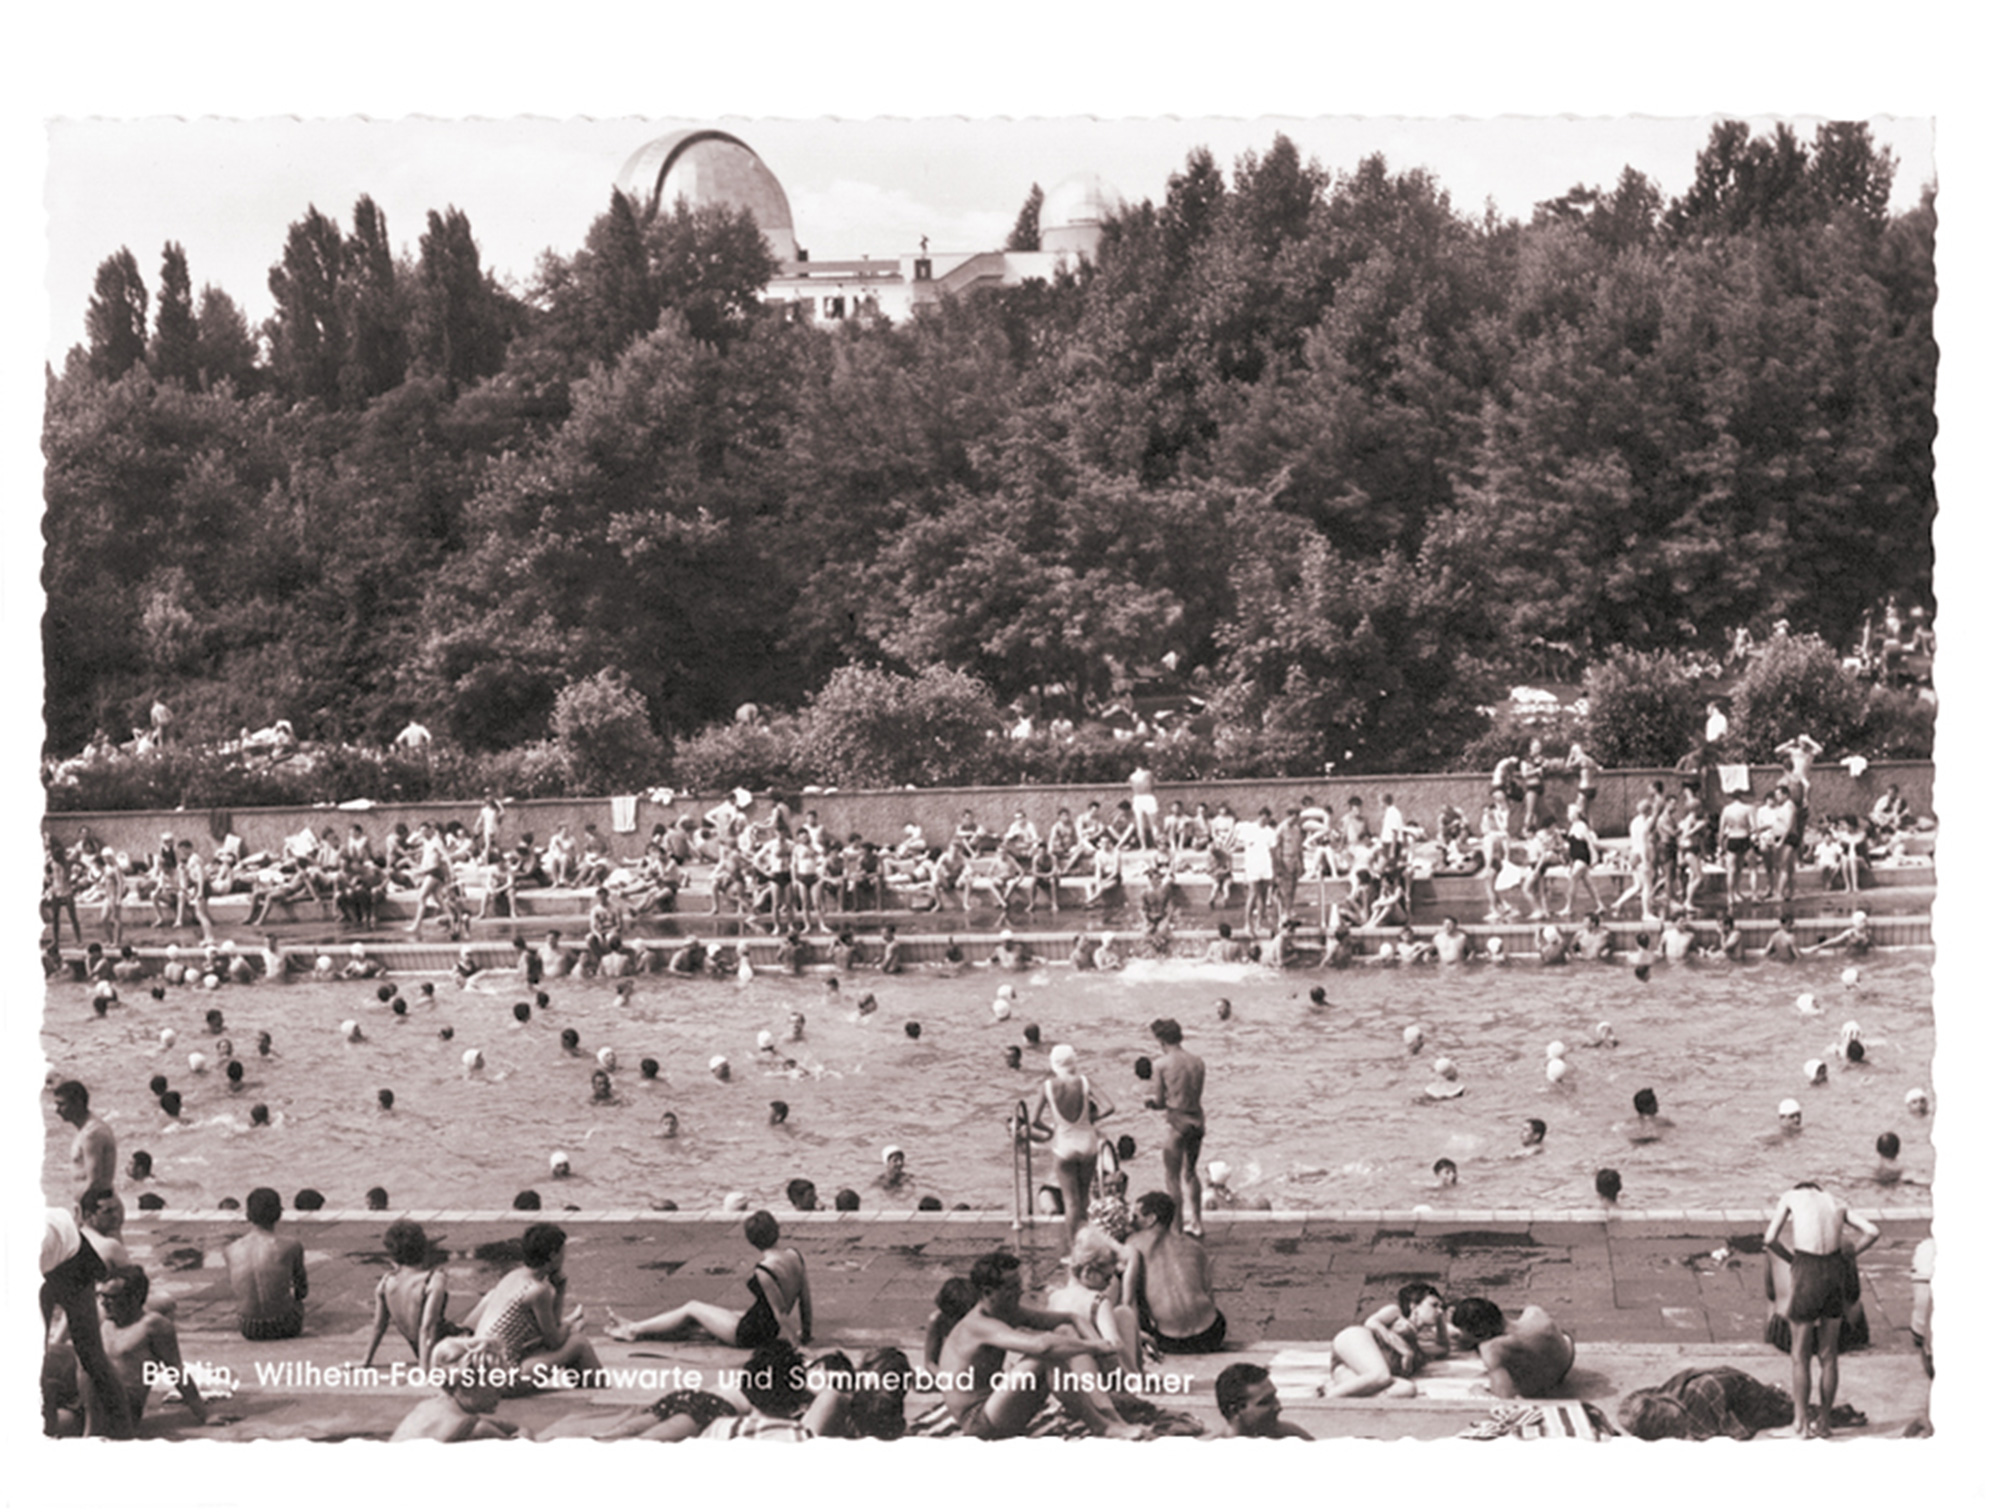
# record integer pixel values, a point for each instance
(1444, 1172)
(1107, 956)
(1647, 1125)
(866, 1006)
(1887, 1147)
(1081, 956)
(795, 1027)
(600, 1087)
(1533, 1133)
(1593, 941)
(718, 1067)
(1452, 944)
(1224, 949)
(892, 951)
(1781, 946)
(1609, 1184)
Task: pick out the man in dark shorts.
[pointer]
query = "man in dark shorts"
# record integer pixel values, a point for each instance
(1178, 1078)
(267, 1274)
(1167, 1282)
(1820, 1293)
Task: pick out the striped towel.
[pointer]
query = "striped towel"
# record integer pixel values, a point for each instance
(1543, 1420)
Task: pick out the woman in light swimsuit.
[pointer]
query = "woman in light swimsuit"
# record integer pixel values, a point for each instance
(1067, 1110)
(521, 1321)
(778, 1287)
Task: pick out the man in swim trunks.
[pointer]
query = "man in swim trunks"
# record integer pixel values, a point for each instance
(267, 1274)
(1179, 1078)
(1820, 1293)
(1526, 1358)
(1167, 1282)
(1009, 1350)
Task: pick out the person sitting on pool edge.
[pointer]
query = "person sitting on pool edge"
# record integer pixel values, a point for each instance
(267, 1274)
(778, 1286)
(412, 1295)
(1167, 1281)
(1526, 1358)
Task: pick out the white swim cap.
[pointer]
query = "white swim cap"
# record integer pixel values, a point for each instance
(1807, 1003)
(167, 1038)
(1604, 1032)
(1851, 977)
(473, 1059)
(211, 981)
(558, 1162)
(357, 949)
(1002, 1009)
(173, 951)
(889, 1151)
(1790, 1108)
(1444, 1067)
(1557, 1050)
(765, 1040)
(1413, 1036)
(607, 1058)
(1006, 989)
(1062, 1060)
(1851, 1030)
(1006, 934)
(1218, 1172)
(1495, 945)
(350, 1029)
(718, 1063)
(323, 963)
(1815, 1071)
(197, 1062)
(1917, 1099)
(1557, 1070)
(736, 1202)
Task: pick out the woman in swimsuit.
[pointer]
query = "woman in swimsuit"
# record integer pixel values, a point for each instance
(1066, 1110)
(412, 1295)
(521, 1321)
(778, 1287)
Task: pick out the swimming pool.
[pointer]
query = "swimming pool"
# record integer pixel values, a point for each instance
(1317, 1109)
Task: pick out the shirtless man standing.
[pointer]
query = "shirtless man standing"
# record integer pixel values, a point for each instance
(1179, 1077)
(267, 1274)
(1009, 1351)
(1819, 1293)
(94, 1151)
(1526, 1358)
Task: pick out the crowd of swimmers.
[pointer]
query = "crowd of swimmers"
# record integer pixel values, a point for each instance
(1139, 1291)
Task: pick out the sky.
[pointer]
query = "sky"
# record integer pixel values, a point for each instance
(793, 61)
(227, 189)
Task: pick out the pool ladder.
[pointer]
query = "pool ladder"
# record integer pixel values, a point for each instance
(1023, 1169)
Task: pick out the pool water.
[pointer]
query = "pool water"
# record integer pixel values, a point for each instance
(1311, 1108)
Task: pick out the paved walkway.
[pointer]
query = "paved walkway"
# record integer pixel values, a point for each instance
(1644, 1295)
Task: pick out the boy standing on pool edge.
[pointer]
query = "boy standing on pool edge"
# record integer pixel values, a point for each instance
(1179, 1076)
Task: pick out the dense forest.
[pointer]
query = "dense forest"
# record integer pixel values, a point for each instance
(1322, 450)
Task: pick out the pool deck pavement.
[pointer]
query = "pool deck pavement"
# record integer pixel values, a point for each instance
(1641, 1291)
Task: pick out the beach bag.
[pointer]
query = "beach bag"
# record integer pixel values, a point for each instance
(1108, 1209)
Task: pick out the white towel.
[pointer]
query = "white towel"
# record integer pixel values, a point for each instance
(625, 814)
(1734, 777)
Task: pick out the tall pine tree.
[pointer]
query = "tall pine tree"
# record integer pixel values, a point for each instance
(116, 318)
(174, 358)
